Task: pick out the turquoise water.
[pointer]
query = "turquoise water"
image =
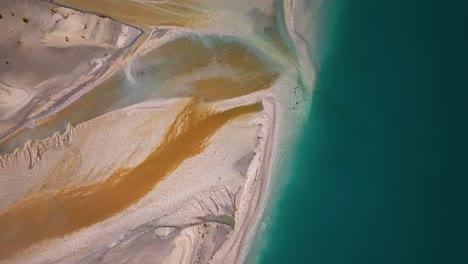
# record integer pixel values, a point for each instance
(381, 175)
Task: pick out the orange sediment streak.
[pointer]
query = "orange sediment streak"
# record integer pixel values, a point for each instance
(52, 215)
(140, 14)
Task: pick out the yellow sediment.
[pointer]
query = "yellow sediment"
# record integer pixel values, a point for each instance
(142, 14)
(221, 88)
(240, 70)
(50, 215)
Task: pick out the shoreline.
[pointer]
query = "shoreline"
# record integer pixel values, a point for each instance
(254, 200)
(294, 122)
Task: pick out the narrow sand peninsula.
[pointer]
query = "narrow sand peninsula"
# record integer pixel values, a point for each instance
(175, 133)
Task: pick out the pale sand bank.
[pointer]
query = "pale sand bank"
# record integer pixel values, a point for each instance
(162, 181)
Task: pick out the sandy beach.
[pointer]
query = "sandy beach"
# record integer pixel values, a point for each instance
(146, 140)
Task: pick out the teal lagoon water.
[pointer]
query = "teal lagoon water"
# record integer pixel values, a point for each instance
(381, 171)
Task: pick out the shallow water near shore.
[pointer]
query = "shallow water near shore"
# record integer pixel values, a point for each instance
(380, 168)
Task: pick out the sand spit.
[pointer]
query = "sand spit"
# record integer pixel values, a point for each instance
(300, 27)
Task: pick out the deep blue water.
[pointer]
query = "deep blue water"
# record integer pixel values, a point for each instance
(381, 170)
